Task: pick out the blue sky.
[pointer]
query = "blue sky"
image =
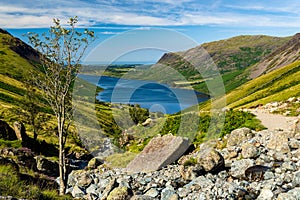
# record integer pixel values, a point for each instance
(202, 20)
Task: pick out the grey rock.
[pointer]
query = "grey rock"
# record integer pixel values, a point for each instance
(296, 179)
(279, 142)
(295, 192)
(20, 131)
(119, 193)
(249, 151)
(111, 185)
(238, 135)
(94, 163)
(211, 160)
(294, 143)
(168, 194)
(92, 189)
(269, 175)
(265, 194)
(142, 197)
(84, 180)
(152, 192)
(78, 192)
(239, 167)
(159, 152)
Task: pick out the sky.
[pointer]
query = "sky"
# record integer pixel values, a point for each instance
(200, 20)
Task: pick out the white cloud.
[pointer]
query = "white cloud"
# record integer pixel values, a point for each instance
(186, 12)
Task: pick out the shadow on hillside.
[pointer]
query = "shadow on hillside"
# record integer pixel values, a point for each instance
(41, 147)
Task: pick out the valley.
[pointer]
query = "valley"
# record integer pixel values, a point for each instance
(256, 70)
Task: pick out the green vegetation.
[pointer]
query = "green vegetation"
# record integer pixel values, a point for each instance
(277, 85)
(13, 183)
(120, 160)
(233, 120)
(138, 114)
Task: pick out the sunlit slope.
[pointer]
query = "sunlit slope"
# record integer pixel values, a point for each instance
(277, 85)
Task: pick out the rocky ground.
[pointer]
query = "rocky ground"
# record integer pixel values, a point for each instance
(243, 165)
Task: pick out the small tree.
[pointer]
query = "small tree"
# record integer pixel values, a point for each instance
(61, 50)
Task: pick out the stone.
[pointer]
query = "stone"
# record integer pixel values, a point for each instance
(84, 180)
(294, 143)
(147, 122)
(92, 189)
(211, 160)
(237, 136)
(152, 193)
(295, 192)
(142, 197)
(239, 167)
(296, 179)
(119, 193)
(6, 132)
(109, 187)
(297, 127)
(279, 142)
(47, 166)
(190, 172)
(168, 194)
(265, 194)
(94, 163)
(249, 151)
(78, 192)
(160, 152)
(20, 131)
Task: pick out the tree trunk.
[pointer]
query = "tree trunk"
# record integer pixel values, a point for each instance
(62, 185)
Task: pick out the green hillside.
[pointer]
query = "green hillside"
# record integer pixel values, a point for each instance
(232, 57)
(14, 69)
(277, 85)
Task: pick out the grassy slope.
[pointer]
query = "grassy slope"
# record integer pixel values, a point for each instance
(277, 85)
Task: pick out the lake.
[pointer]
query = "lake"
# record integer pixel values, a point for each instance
(148, 94)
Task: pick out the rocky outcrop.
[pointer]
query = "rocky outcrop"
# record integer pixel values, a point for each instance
(20, 131)
(264, 173)
(46, 166)
(6, 132)
(160, 152)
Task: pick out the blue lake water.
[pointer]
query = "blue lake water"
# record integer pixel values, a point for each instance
(148, 94)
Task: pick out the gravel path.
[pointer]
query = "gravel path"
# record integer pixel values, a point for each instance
(274, 121)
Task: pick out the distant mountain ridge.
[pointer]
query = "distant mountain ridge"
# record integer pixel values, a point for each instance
(284, 55)
(232, 56)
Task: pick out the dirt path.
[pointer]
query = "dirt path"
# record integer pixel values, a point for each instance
(274, 121)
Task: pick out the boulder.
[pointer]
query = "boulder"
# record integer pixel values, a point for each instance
(279, 142)
(6, 132)
(94, 163)
(160, 152)
(47, 166)
(249, 151)
(211, 160)
(20, 131)
(238, 135)
(239, 167)
(84, 180)
(119, 193)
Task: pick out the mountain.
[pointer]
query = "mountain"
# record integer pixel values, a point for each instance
(284, 55)
(232, 57)
(16, 62)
